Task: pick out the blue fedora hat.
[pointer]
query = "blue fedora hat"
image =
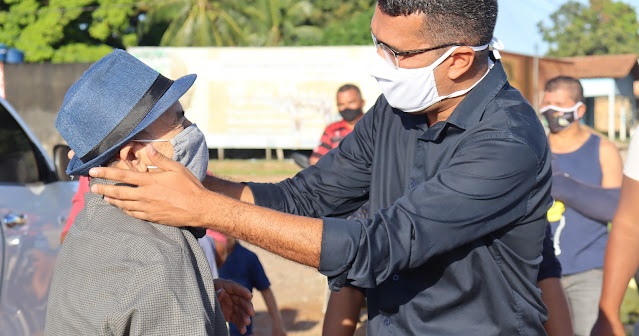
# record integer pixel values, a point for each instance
(115, 99)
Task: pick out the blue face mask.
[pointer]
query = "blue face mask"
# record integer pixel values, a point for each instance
(558, 118)
(189, 149)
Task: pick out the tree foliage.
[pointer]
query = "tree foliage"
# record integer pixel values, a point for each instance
(85, 30)
(67, 30)
(602, 27)
(193, 23)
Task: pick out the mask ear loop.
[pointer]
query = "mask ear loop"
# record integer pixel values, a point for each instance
(574, 109)
(495, 46)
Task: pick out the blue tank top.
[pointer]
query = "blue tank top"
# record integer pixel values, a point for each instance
(580, 242)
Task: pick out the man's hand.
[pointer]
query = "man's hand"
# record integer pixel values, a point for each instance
(167, 197)
(235, 302)
(607, 325)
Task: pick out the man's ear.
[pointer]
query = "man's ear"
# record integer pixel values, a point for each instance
(463, 59)
(126, 153)
(130, 156)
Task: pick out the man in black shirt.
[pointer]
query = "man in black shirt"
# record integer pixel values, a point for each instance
(455, 165)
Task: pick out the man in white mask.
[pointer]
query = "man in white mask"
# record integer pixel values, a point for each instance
(116, 274)
(453, 161)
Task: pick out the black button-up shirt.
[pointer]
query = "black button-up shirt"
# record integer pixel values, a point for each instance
(457, 215)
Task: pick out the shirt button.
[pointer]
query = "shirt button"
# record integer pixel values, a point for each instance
(412, 185)
(387, 322)
(395, 277)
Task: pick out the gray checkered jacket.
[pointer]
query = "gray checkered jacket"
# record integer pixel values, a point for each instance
(117, 275)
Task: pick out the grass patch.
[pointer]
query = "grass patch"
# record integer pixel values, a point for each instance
(630, 305)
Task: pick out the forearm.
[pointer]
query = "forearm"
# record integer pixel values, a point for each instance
(273, 311)
(342, 312)
(232, 189)
(592, 201)
(620, 264)
(554, 298)
(293, 237)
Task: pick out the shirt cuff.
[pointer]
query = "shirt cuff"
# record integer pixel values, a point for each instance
(266, 195)
(340, 241)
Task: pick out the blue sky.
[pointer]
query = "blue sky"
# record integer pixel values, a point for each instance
(517, 23)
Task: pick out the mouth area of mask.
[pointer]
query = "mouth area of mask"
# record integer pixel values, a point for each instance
(189, 149)
(350, 114)
(559, 118)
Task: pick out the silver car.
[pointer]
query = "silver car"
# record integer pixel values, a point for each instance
(35, 199)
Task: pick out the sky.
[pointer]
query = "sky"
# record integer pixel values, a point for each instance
(517, 23)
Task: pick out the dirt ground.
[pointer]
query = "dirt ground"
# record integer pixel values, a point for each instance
(299, 290)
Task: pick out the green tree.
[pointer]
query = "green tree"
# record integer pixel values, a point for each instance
(352, 28)
(67, 30)
(194, 22)
(602, 27)
(280, 22)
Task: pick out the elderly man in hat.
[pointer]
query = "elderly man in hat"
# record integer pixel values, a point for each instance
(116, 274)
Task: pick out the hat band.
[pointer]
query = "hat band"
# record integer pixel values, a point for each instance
(132, 119)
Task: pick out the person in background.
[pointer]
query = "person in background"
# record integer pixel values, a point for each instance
(622, 253)
(343, 307)
(350, 105)
(239, 264)
(116, 274)
(587, 173)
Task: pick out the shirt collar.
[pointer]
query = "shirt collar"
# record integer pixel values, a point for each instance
(471, 109)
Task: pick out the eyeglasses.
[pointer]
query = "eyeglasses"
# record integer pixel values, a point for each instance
(392, 55)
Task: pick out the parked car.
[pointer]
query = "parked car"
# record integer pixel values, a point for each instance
(35, 198)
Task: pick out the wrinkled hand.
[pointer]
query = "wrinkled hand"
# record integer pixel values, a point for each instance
(167, 197)
(608, 326)
(235, 302)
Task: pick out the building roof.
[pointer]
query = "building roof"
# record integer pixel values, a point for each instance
(604, 66)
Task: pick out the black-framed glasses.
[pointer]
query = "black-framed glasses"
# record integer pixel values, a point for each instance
(392, 55)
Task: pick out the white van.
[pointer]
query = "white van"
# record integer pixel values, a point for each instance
(35, 199)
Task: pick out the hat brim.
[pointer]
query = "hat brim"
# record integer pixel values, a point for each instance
(177, 90)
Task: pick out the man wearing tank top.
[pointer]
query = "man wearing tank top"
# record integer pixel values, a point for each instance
(587, 174)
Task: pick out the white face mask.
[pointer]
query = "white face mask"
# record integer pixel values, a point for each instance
(413, 90)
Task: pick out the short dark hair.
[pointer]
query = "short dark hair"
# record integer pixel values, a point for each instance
(571, 84)
(469, 22)
(349, 86)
